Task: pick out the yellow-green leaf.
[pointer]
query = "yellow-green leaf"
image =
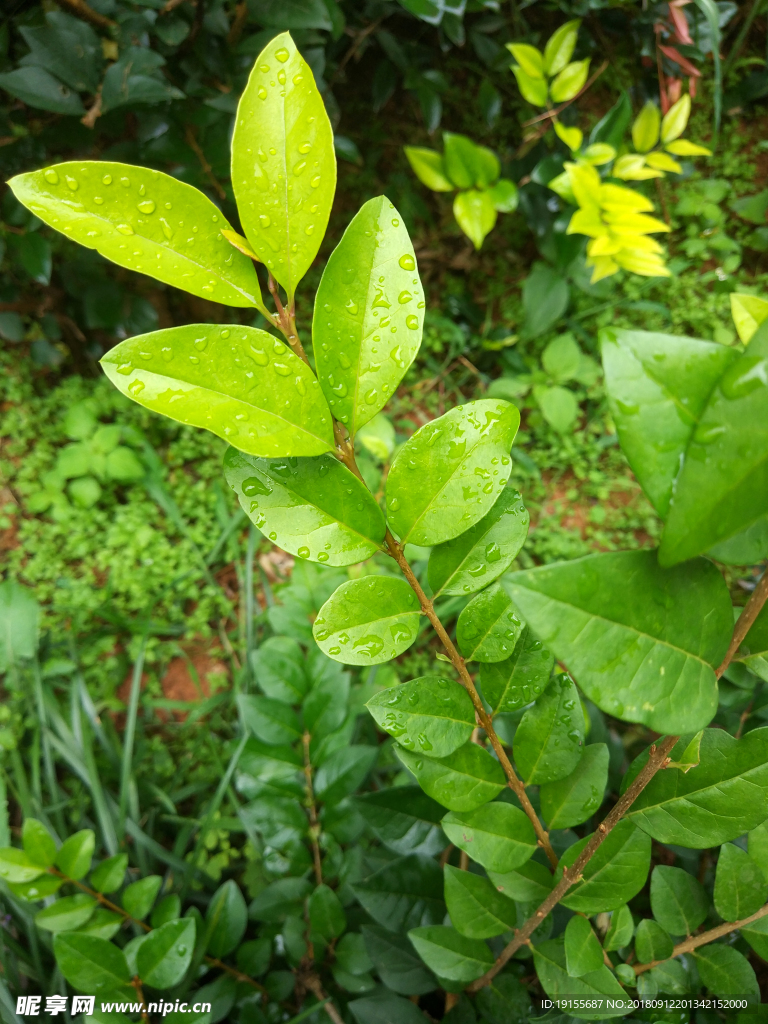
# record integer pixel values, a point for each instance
(570, 81)
(682, 147)
(663, 162)
(475, 213)
(533, 89)
(560, 47)
(529, 58)
(645, 130)
(427, 165)
(599, 153)
(632, 167)
(572, 137)
(675, 120)
(748, 312)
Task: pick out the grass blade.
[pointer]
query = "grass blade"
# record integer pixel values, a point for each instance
(126, 774)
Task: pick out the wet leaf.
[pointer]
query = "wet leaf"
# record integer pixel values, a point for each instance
(519, 679)
(574, 799)
(498, 835)
(615, 873)
(427, 715)
(90, 964)
(166, 953)
(466, 779)
(368, 621)
(548, 739)
(67, 914)
(404, 819)
(477, 909)
(489, 627)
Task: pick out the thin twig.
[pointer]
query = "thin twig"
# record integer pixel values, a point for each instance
(81, 10)
(314, 827)
(553, 113)
(93, 112)
(313, 984)
(744, 622)
(360, 37)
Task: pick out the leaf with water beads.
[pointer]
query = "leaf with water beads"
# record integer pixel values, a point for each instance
(511, 684)
(238, 382)
(450, 473)
(283, 163)
(549, 737)
(369, 314)
(368, 621)
(427, 715)
(466, 779)
(146, 221)
(313, 508)
(489, 627)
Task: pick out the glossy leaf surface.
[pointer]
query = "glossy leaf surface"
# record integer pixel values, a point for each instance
(139, 896)
(530, 883)
(678, 900)
(463, 781)
(368, 621)
(583, 952)
(397, 964)
(451, 955)
(725, 971)
(552, 971)
(740, 888)
(548, 739)
(621, 928)
(488, 628)
(652, 942)
(574, 799)
(519, 679)
(405, 893)
(614, 874)
(405, 819)
(74, 856)
(313, 508)
(477, 909)
(225, 920)
(166, 953)
(369, 314)
(427, 715)
(238, 382)
(283, 163)
(67, 914)
(478, 556)
(39, 844)
(450, 472)
(756, 935)
(640, 640)
(90, 964)
(498, 835)
(146, 221)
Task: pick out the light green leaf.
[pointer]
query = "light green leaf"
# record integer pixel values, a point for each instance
(368, 621)
(756, 935)
(67, 914)
(225, 920)
(558, 406)
(740, 888)
(467, 164)
(326, 914)
(652, 942)
(369, 314)
(515, 682)
(748, 311)
(640, 640)
(168, 909)
(404, 819)
(534, 90)
(17, 867)
(475, 213)
(570, 81)
(378, 437)
(146, 221)
(271, 721)
(428, 166)
(283, 163)
(498, 835)
(89, 963)
(674, 121)
(450, 472)
(166, 953)
(530, 883)
(19, 624)
(481, 554)
(725, 972)
(562, 358)
(238, 382)
(551, 968)
(560, 47)
(757, 847)
(477, 910)
(278, 664)
(583, 952)
(646, 127)
(428, 715)
(621, 928)
(104, 924)
(74, 856)
(451, 955)
(467, 779)
(574, 799)
(614, 874)
(405, 893)
(529, 58)
(488, 628)
(39, 844)
(548, 739)
(723, 797)
(139, 897)
(314, 508)
(504, 196)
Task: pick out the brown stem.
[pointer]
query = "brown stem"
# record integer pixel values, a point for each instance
(286, 321)
(94, 111)
(694, 941)
(744, 622)
(81, 10)
(313, 984)
(466, 679)
(657, 759)
(314, 827)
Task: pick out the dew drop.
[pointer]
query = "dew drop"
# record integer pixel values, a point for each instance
(147, 206)
(282, 54)
(125, 229)
(303, 552)
(125, 369)
(300, 167)
(309, 229)
(315, 181)
(370, 396)
(259, 356)
(136, 387)
(72, 184)
(351, 307)
(281, 76)
(98, 200)
(282, 369)
(301, 387)
(51, 176)
(107, 179)
(394, 505)
(412, 322)
(264, 220)
(403, 297)
(167, 354)
(323, 556)
(407, 262)
(395, 222)
(125, 182)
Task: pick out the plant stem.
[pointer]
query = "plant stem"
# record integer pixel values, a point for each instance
(694, 941)
(314, 828)
(286, 321)
(466, 679)
(314, 986)
(657, 759)
(744, 622)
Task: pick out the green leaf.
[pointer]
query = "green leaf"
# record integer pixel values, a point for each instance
(646, 127)
(534, 90)
(757, 847)
(558, 406)
(515, 682)
(90, 964)
(325, 706)
(451, 955)
(678, 900)
(67, 914)
(529, 58)
(38, 88)
(475, 213)
(756, 935)
(384, 1007)
(271, 721)
(460, 462)
(144, 220)
(467, 164)
(504, 196)
(499, 835)
(240, 383)
(551, 967)
(42, 886)
(652, 942)
(404, 819)
(38, 843)
(168, 909)
(225, 920)
(463, 781)
(530, 883)
(723, 797)
(640, 640)
(478, 556)
(740, 888)
(429, 168)
(278, 664)
(326, 914)
(397, 965)
(139, 897)
(369, 314)
(351, 954)
(548, 739)
(427, 715)
(19, 624)
(404, 893)
(74, 856)
(621, 928)
(368, 621)
(583, 952)
(314, 508)
(671, 977)
(342, 772)
(560, 47)
(753, 652)
(545, 299)
(574, 799)
(477, 909)
(488, 628)
(105, 924)
(166, 953)
(279, 899)
(725, 972)
(283, 163)
(570, 81)
(615, 873)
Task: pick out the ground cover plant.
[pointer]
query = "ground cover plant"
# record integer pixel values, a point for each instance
(477, 889)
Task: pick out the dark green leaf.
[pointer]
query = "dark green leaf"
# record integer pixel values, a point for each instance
(66, 47)
(488, 628)
(756, 935)
(740, 888)
(279, 820)
(313, 508)
(574, 799)
(325, 706)
(279, 899)
(38, 843)
(583, 952)
(504, 1001)
(678, 900)
(652, 942)
(757, 847)
(449, 954)
(225, 920)
(428, 715)
(38, 88)
(615, 873)
(404, 893)
(754, 650)
(90, 964)
(351, 954)
(74, 856)
(405, 819)
(622, 927)
(368, 621)
(396, 963)
(498, 835)
(343, 772)
(385, 1008)
(477, 909)
(551, 968)
(67, 914)
(278, 664)
(326, 914)
(641, 641)
(109, 875)
(548, 739)
(725, 972)
(466, 779)
(139, 897)
(530, 883)
(253, 956)
(270, 720)
(515, 682)
(671, 977)
(166, 953)
(545, 298)
(168, 909)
